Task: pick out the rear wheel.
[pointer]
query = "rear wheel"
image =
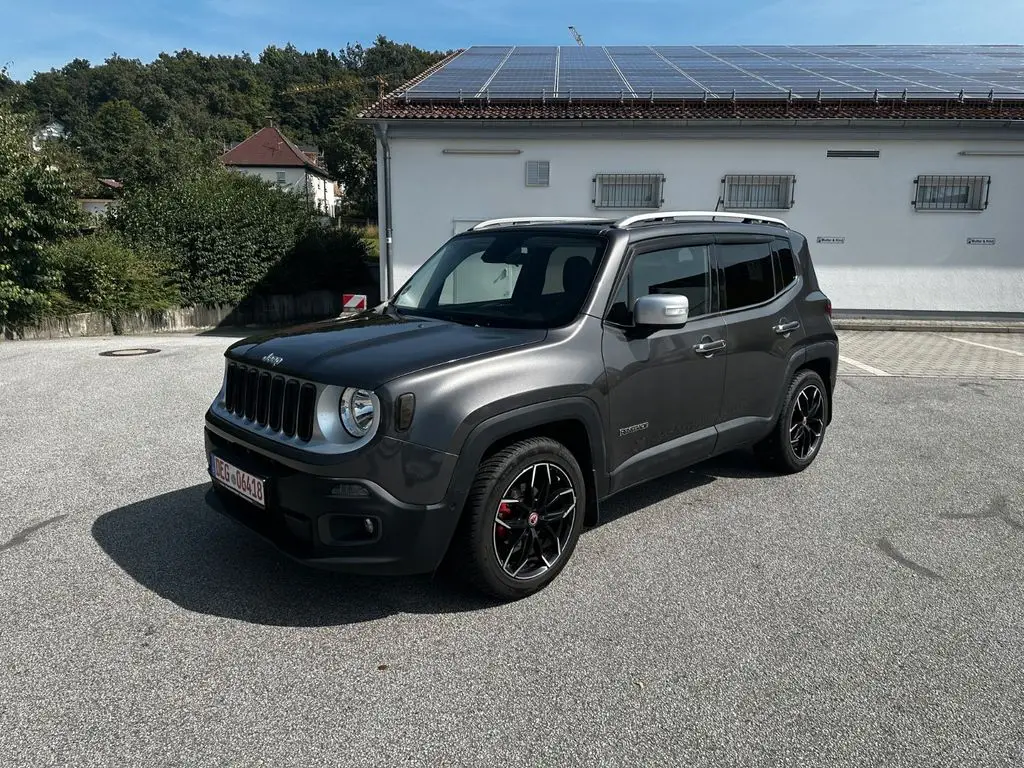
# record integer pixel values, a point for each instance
(523, 518)
(797, 437)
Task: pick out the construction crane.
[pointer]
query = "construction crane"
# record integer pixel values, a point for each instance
(576, 35)
(382, 86)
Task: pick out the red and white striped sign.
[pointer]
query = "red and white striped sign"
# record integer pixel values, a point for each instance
(353, 301)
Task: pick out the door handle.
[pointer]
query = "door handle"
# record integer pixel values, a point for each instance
(783, 328)
(707, 347)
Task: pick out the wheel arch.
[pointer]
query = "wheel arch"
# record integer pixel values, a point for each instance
(573, 421)
(822, 357)
(823, 367)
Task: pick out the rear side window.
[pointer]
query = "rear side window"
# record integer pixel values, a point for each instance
(748, 273)
(785, 263)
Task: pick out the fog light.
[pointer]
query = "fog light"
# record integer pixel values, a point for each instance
(368, 525)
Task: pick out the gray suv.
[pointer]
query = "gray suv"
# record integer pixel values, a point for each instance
(528, 371)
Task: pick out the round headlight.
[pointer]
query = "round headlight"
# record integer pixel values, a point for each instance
(356, 410)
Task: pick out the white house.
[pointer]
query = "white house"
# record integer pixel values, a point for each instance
(54, 129)
(270, 155)
(911, 201)
(96, 207)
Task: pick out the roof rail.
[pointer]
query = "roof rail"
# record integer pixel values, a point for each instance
(706, 215)
(536, 220)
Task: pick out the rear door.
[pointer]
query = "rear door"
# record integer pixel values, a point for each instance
(759, 290)
(664, 396)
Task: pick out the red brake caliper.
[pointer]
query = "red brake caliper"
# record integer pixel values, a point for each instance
(503, 511)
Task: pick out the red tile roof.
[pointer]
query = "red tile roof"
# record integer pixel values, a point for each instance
(269, 147)
(396, 108)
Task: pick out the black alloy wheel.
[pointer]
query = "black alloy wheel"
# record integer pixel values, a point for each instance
(798, 434)
(807, 421)
(534, 520)
(523, 518)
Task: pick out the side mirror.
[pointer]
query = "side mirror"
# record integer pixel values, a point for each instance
(665, 310)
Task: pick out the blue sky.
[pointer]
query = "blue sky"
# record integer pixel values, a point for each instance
(48, 33)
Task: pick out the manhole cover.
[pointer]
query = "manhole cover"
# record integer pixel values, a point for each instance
(134, 352)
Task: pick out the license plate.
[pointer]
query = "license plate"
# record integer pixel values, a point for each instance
(245, 485)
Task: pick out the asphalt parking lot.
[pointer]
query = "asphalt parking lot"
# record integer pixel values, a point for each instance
(866, 612)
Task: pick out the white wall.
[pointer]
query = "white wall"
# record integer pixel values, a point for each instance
(300, 181)
(893, 258)
(96, 207)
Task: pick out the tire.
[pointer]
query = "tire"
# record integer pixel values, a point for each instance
(510, 545)
(808, 396)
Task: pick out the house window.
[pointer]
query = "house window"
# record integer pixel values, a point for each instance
(538, 173)
(952, 193)
(629, 190)
(755, 192)
(281, 178)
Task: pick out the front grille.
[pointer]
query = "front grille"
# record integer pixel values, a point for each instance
(280, 403)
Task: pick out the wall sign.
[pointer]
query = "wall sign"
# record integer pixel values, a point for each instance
(981, 241)
(831, 239)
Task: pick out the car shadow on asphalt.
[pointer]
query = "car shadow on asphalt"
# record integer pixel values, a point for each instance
(737, 464)
(740, 464)
(176, 546)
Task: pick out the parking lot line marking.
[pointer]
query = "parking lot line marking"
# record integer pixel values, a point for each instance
(863, 366)
(986, 346)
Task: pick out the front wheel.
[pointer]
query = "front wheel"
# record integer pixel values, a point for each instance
(523, 518)
(797, 437)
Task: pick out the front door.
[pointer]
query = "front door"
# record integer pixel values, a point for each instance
(759, 295)
(664, 395)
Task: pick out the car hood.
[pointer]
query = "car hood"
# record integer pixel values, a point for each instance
(371, 348)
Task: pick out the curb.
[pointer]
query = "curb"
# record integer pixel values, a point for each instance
(933, 326)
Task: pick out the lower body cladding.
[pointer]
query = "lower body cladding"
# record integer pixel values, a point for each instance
(345, 520)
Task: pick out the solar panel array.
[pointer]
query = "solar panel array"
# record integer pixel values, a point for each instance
(665, 72)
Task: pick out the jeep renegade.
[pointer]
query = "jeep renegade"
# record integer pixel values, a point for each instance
(526, 372)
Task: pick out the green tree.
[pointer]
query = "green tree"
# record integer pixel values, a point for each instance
(9, 89)
(350, 151)
(37, 208)
(118, 141)
(396, 62)
(145, 123)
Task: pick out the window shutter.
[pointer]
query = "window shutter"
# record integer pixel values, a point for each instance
(538, 173)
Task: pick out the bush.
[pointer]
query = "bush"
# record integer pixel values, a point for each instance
(100, 273)
(321, 260)
(228, 235)
(222, 230)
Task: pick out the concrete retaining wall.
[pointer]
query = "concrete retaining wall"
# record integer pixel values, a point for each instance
(260, 311)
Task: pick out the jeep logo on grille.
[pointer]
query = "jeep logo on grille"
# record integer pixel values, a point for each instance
(272, 359)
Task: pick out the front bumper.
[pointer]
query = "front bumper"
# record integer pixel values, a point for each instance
(320, 519)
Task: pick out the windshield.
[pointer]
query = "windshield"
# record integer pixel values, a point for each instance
(516, 279)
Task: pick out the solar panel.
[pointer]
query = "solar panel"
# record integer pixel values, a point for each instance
(666, 72)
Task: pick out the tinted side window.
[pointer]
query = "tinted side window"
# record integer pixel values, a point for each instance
(786, 264)
(679, 271)
(748, 274)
